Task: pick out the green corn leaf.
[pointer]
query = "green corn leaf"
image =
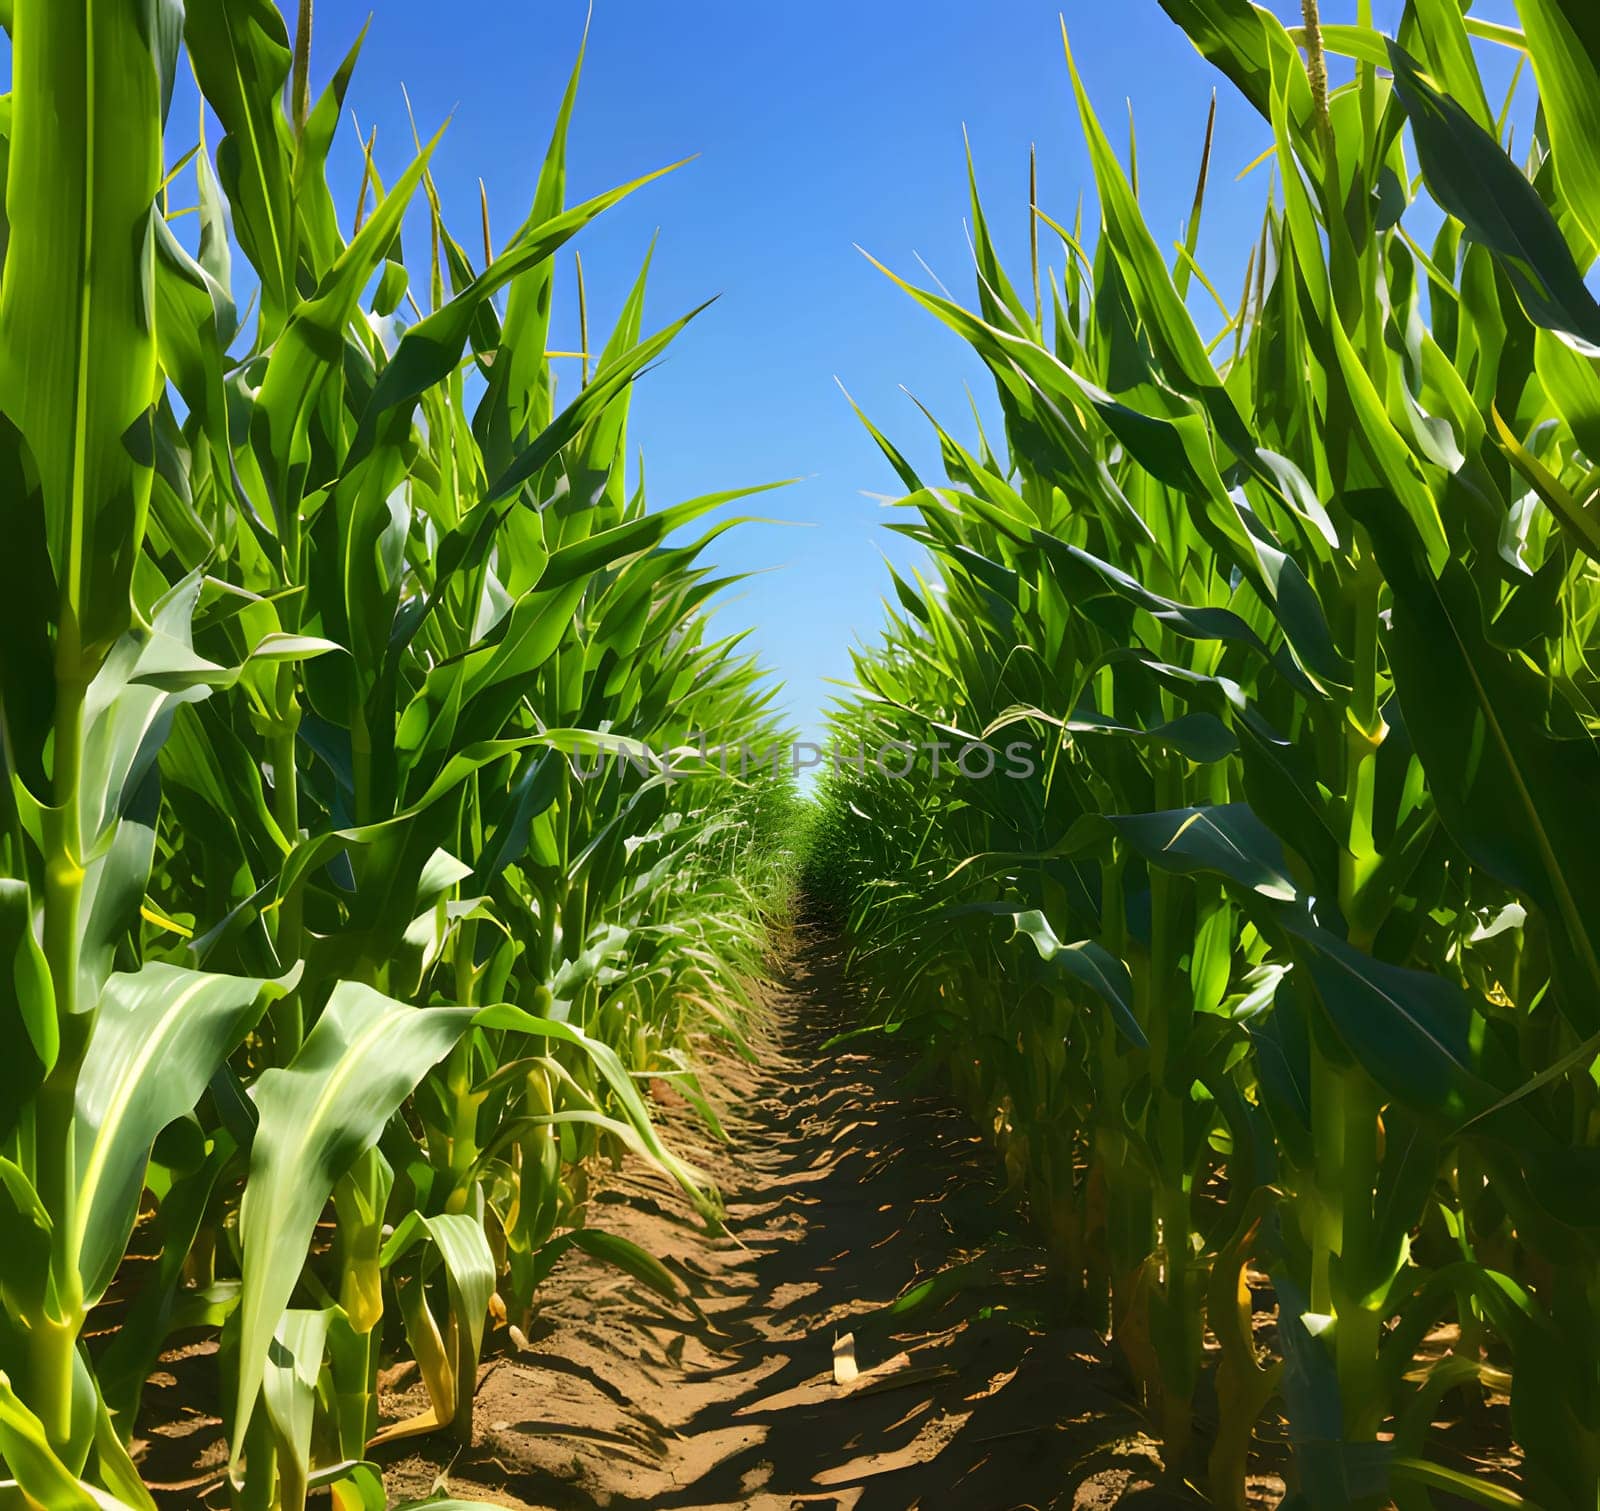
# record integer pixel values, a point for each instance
(1477, 183)
(318, 241)
(25, 1266)
(1199, 736)
(608, 382)
(241, 57)
(27, 1002)
(160, 1036)
(1508, 762)
(1564, 45)
(620, 1252)
(115, 1467)
(40, 1474)
(469, 1265)
(289, 1396)
(1411, 1030)
(307, 352)
(1092, 965)
(584, 558)
(363, 1058)
(1167, 321)
(430, 350)
(193, 326)
(1087, 573)
(77, 348)
(1225, 840)
(516, 403)
(130, 1358)
(1237, 37)
(1468, 1487)
(1442, 30)
(619, 1083)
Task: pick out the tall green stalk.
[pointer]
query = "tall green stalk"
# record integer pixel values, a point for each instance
(1299, 615)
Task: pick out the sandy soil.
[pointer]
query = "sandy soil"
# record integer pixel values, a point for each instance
(844, 1191)
(849, 1191)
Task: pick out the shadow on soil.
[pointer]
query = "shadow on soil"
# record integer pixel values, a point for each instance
(846, 1191)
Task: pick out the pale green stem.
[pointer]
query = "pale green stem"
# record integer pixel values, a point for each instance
(53, 1345)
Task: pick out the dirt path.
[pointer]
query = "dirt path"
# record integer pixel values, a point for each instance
(845, 1190)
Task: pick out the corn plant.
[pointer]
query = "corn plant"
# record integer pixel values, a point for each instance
(313, 618)
(1277, 962)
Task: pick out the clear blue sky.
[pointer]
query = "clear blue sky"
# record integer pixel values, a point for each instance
(818, 126)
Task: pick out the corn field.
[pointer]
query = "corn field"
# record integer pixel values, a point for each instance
(348, 902)
(1279, 972)
(322, 964)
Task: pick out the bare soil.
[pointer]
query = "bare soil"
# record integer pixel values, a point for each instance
(845, 1191)
(864, 1216)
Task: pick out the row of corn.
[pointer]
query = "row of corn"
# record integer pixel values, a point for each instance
(1278, 979)
(338, 927)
